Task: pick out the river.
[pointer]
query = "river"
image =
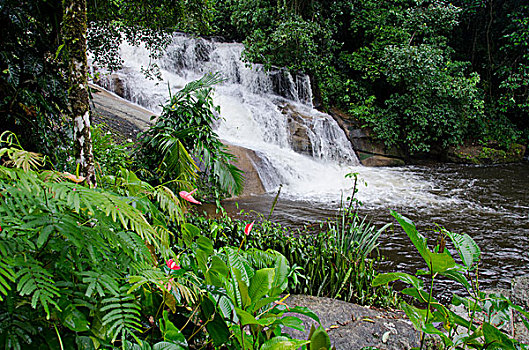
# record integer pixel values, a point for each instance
(490, 203)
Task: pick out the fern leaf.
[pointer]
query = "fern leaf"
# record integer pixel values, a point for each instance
(122, 314)
(36, 281)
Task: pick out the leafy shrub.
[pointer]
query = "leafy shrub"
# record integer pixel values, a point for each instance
(485, 313)
(186, 124)
(86, 261)
(109, 155)
(334, 261)
(33, 91)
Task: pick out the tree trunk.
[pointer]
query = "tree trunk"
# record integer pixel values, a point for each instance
(74, 34)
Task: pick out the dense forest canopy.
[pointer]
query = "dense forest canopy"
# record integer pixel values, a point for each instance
(422, 74)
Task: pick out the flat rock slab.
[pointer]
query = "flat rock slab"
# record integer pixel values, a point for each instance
(352, 326)
(118, 113)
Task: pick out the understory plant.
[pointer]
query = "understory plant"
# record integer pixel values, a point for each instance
(186, 125)
(335, 259)
(485, 314)
(92, 268)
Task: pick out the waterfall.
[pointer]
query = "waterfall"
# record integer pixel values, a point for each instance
(268, 112)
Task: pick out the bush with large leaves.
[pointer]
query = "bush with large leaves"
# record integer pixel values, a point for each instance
(186, 123)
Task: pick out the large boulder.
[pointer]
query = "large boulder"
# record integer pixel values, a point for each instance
(370, 151)
(352, 326)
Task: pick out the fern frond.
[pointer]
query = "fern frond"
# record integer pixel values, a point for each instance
(206, 82)
(35, 281)
(176, 158)
(122, 314)
(147, 274)
(7, 275)
(168, 202)
(111, 205)
(99, 282)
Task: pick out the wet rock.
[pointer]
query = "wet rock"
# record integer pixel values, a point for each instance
(120, 115)
(352, 326)
(245, 160)
(489, 154)
(298, 130)
(127, 119)
(370, 151)
(379, 161)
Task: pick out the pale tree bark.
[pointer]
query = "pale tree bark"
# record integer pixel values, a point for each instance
(74, 34)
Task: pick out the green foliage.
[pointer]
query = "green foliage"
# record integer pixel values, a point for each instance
(186, 123)
(334, 261)
(242, 307)
(33, 92)
(109, 155)
(67, 251)
(484, 314)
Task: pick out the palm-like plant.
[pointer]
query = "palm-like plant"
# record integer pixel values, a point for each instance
(186, 124)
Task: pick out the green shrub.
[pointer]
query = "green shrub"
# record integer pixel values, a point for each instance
(109, 155)
(484, 313)
(332, 261)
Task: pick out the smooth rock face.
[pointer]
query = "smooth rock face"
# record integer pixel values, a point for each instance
(370, 151)
(129, 119)
(351, 326)
(246, 162)
(122, 116)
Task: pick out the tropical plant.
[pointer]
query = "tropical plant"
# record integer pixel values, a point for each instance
(332, 259)
(67, 253)
(186, 123)
(33, 90)
(243, 307)
(109, 155)
(485, 313)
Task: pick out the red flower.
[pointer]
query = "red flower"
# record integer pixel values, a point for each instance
(172, 265)
(188, 196)
(248, 228)
(0, 228)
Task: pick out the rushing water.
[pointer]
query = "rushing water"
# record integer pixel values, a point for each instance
(488, 203)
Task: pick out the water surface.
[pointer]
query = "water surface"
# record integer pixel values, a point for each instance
(490, 203)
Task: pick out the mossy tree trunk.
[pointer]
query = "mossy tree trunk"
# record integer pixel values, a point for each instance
(74, 34)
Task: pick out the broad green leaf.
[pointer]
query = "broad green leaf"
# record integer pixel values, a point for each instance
(219, 266)
(436, 262)
(261, 283)
(245, 318)
(205, 244)
(292, 322)
(218, 331)
(189, 232)
(458, 277)
(243, 290)
(320, 339)
(74, 319)
(430, 329)
(283, 343)
(303, 310)
(281, 276)
(417, 316)
(467, 248)
(495, 339)
(170, 333)
(385, 278)
(418, 294)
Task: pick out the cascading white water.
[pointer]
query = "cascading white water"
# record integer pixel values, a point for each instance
(265, 112)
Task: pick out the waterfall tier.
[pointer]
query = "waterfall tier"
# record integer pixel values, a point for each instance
(270, 112)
